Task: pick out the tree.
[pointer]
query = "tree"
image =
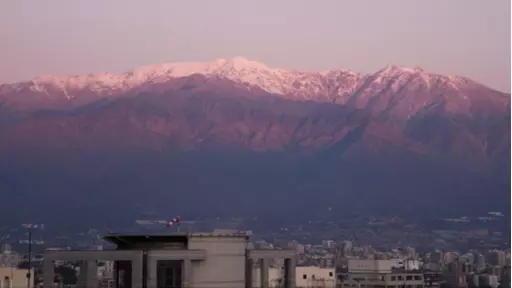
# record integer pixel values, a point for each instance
(67, 274)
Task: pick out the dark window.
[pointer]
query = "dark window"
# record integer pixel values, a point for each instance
(330, 274)
(393, 278)
(408, 277)
(168, 274)
(304, 276)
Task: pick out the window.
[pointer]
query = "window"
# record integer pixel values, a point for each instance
(169, 273)
(304, 276)
(417, 277)
(393, 278)
(330, 274)
(408, 277)
(400, 278)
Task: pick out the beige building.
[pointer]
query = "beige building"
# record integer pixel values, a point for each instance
(305, 277)
(378, 273)
(312, 277)
(14, 277)
(195, 260)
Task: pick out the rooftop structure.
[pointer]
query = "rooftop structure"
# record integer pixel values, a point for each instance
(176, 260)
(379, 273)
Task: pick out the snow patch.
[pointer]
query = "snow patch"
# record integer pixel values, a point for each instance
(331, 84)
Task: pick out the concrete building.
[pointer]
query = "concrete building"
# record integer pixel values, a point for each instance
(309, 277)
(455, 277)
(13, 277)
(328, 244)
(479, 262)
(373, 266)
(497, 258)
(198, 260)
(346, 248)
(433, 279)
(378, 273)
(275, 277)
(488, 281)
(305, 277)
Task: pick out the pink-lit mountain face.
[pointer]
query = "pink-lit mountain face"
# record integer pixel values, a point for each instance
(397, 119)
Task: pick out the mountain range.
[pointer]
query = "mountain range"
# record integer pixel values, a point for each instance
(235, 137)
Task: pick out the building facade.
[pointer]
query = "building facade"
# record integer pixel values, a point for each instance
(13, 277)
(305, 277)
(175, 260)
(378, 273)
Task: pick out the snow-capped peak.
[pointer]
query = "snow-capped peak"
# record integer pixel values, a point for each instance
(181, 69)
(241, 63)
(237, 69)
(328, 85)
(396, 69)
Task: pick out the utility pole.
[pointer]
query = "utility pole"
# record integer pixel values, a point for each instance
(29, 276)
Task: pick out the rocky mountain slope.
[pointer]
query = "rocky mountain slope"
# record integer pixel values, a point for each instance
(335, 135)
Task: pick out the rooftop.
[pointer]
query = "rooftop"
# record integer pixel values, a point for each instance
(133, 238)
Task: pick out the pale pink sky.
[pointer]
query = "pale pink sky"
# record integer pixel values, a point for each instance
(454, 37)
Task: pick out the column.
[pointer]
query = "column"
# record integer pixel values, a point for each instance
(92, 273)
(88, 274)
(289, 272)
(248, 272)
(82, 278)
(185, 273)
(49, 273)
(116, 273)
(264, 273)
(137, 272)
(152, 266)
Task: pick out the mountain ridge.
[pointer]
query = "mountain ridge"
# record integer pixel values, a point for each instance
(237, 69)
(379, 92)
(331, 137)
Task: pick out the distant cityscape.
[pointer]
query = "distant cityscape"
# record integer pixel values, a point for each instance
(461, 252)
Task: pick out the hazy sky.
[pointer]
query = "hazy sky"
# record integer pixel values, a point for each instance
(455, 37)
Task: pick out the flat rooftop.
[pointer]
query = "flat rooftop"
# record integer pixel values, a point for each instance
(134, 238)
